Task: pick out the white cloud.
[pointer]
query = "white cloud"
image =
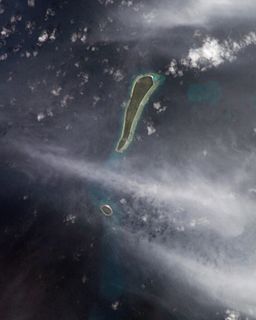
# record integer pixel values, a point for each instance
(168, 14)
(212, 53)
(224, 210)
(201, 204)
(31, 3)
(228, 284)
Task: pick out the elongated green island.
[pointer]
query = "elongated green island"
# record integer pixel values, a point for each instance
(142, 89)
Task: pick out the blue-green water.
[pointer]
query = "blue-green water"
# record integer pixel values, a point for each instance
(112, 281)
(209, 92)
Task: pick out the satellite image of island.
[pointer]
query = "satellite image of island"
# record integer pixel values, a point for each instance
(127, 160)
(142, 88)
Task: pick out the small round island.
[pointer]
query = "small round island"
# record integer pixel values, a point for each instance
(106, 210)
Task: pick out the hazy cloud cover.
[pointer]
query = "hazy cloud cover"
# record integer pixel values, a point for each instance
(169, 14)
(211, 206)
(220, 206)
(227, 283)
(214, 213)
(203, 51)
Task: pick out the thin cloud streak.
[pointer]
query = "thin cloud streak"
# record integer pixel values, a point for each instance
(169, 14)
(222, 208)
(228, 284)
(229, 214)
